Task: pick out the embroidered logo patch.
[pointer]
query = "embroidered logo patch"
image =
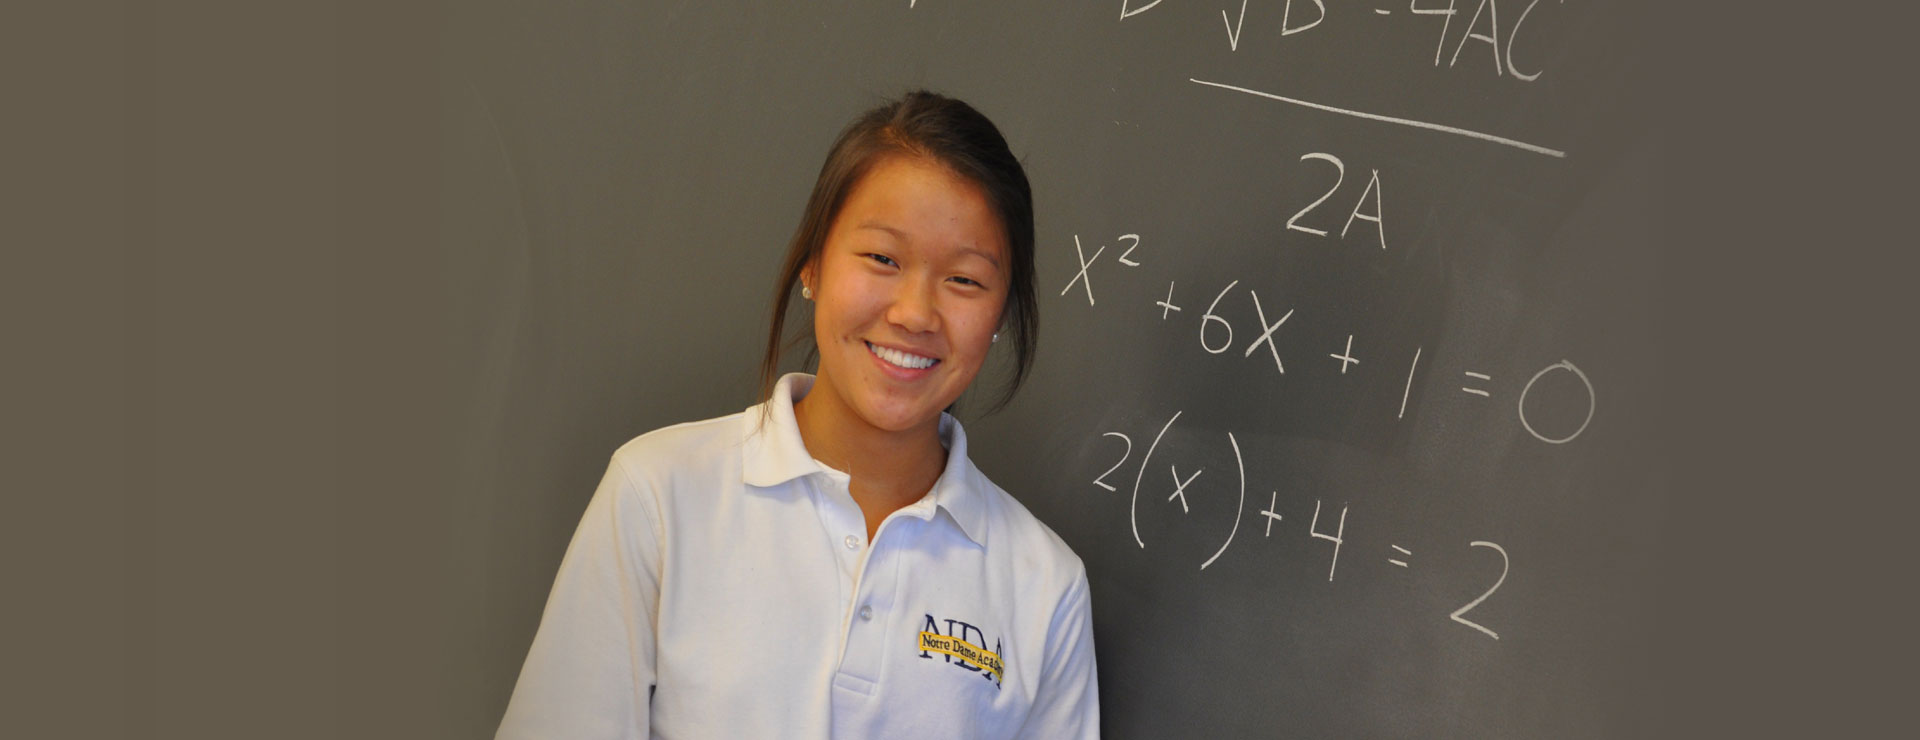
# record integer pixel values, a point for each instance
(958, 651)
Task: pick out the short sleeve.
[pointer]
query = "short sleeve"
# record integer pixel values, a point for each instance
(1067, 703)
(590, 671)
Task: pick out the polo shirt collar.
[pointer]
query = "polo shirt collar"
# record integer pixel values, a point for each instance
(961, 487)
(773, 453)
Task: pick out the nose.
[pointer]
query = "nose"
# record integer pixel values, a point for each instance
(913, 308)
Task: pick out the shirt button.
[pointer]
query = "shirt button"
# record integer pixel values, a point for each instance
(866, 613)
(853, 542)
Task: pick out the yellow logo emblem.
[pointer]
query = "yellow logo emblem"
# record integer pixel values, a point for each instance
(934, 642)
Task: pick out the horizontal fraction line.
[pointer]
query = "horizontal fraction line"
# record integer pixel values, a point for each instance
(1515, 143)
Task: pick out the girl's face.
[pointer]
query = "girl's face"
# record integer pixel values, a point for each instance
(908, 289)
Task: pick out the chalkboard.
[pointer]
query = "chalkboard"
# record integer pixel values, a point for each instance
(1347, 390)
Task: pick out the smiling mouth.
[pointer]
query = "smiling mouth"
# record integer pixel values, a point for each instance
(901, 359)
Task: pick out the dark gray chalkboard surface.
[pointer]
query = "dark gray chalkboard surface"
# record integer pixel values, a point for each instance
(1347, 391)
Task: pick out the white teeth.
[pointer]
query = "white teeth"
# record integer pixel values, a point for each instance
(902, 359)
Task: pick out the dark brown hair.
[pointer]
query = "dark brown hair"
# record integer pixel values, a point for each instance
(939, 129)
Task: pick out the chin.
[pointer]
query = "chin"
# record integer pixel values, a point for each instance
(902, 421)
(904, 417)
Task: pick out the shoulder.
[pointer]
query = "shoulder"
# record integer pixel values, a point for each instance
(1012, 536)
(693, 445)
(1038, 554)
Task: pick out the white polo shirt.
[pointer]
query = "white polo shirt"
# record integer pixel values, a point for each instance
(720, 586)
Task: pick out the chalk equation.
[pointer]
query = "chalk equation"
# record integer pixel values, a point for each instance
(1333, 531)
(1216, 335)
(1480, 37)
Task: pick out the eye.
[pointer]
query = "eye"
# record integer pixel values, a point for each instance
(882, 259)
(967, 281)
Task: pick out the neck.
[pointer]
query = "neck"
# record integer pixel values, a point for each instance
(889, 469)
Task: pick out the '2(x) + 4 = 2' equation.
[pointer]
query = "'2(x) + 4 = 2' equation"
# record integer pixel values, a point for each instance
(1399, 557)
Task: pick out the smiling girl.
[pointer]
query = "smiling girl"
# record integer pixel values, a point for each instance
(829, 563)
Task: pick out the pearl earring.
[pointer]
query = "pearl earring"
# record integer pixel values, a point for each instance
(996, 337)
(806, 292)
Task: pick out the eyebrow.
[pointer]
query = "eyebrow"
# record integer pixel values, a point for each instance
(902, 236)
(877, 226)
